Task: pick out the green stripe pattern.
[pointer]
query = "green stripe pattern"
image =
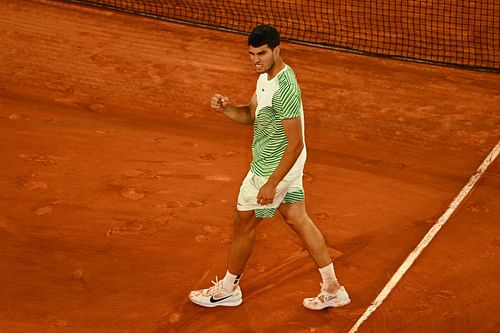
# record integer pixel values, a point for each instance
(293, 197)
(269, 140)
(265, 212)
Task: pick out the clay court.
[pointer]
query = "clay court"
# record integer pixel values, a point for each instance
(118, 182)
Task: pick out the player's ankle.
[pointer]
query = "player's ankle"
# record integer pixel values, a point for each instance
(331, 287)
(230, 281)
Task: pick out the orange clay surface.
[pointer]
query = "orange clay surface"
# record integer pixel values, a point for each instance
(118, 183)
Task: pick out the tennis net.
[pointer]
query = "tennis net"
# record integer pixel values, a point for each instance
(453, 32)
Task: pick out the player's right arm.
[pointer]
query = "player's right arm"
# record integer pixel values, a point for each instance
(243, 114)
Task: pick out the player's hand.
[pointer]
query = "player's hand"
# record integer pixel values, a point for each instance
(219, 102)
(266, 194)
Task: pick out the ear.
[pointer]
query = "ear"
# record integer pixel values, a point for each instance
(277, 50)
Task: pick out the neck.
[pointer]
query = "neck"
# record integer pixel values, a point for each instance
(279, 64)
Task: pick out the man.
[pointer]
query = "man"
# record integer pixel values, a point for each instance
(274, 181)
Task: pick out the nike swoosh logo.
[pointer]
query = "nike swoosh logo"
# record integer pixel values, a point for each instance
(216, 300)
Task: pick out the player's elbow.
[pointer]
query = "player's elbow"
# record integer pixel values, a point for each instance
(300, 146)
(295, 147)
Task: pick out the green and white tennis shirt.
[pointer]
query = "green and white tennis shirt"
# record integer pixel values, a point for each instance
(277, 99)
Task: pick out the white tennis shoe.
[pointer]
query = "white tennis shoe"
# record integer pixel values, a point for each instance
(326, 299)
(216, 295)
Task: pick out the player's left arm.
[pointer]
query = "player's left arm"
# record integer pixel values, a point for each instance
(293, 130)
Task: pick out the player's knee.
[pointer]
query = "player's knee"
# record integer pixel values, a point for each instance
(298, 222)
(244, 224)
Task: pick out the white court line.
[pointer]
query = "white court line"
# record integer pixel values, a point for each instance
(427, 238)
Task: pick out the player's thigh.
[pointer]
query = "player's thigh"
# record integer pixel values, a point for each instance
(294, 213)
(246, 221)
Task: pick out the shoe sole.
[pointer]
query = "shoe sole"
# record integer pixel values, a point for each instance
(338, 305)
(213, 305)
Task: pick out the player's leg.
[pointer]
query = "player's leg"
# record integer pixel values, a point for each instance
(227, 292)
(244, 230)
(332, 294)
(296, 217)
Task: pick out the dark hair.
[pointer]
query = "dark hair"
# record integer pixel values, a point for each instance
(264, 34)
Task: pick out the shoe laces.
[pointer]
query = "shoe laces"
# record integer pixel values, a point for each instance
(216, 288)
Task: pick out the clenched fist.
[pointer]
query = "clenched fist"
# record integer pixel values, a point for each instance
(219, 102)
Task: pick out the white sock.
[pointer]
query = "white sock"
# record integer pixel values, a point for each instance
(230, 281)
(328, 276)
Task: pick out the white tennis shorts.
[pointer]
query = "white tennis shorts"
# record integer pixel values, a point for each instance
(286, 191)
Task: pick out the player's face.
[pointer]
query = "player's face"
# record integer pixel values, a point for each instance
(263, 58)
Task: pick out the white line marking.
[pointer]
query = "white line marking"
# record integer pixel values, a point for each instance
(427, 238)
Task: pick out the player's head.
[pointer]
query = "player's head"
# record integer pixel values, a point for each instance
(264, 48)
(264, 34)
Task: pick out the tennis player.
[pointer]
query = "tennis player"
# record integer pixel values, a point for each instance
(274, 181)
